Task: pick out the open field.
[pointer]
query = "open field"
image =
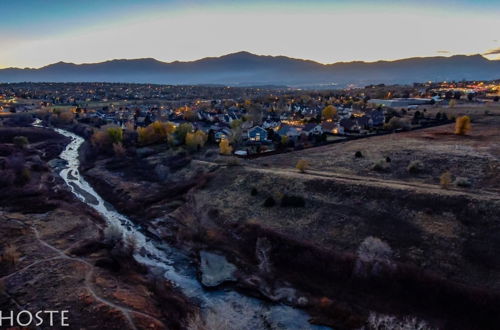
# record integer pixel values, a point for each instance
(475, 156)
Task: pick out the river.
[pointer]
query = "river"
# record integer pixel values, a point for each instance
(231, 309)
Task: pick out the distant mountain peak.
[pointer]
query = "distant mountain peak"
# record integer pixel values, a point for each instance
(246, 68)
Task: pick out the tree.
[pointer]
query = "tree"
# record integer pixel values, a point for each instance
(182, 131)
(462, 125)
(329, 112)
(236, 123)
(195, 140)
(302, 165)
(115, 134)
(224, 147)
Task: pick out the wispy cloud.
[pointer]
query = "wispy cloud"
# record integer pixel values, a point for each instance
(443, 52)
(492, 52)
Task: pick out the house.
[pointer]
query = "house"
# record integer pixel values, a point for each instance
(257, 134)
(377, 117)
(353, 124)
(289, 131)
(312, 129)
(269, 123)
(332, 128)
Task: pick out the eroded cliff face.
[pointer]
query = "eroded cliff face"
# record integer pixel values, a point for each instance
(53, 253)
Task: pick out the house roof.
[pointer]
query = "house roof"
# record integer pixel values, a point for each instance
(310, 127)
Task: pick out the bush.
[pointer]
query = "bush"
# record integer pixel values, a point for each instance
(100, 140)
(254, 192)
(396, 123)
(373, 256)
(462, 182)
(302, 165)
(10, 255)
(182, 130)
(462, 125)
(358, 154)
(195, 140)
(115, 134)
(292, 201)
(380, 166)
(388, 159)
(119, 150)
(112, 235)
(155, 132)
(23, 177)
(380, 321)
(224, 147)
(445, 180)
(415, 166)
(269, 202)
(20, 141)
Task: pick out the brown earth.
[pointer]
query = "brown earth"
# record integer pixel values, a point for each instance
(52, 255)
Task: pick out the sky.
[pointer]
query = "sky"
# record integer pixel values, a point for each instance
(34, 33)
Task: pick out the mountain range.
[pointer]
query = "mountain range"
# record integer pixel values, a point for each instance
(245, 69)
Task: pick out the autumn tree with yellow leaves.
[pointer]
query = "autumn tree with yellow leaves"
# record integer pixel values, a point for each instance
(329, 112)
(224, 147)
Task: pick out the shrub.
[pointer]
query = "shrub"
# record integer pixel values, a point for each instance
(224, 147)
(415, 166)
(462, 182)
(20, 141)
(395, 123)
(254, 191)
(10, 255)
(462, 125)
(388, 159)
(292, 201)
(63, 116)
(269, 202)
(380, 166)
(115, 134)
(155, 132)
(373, 256)
(23, 177)
(381, 321)
(182, 130)
(445, 179)
(119, 150)
(302, 165)
(358, 154)
(112, 235)
(195, 140)
(100, 140)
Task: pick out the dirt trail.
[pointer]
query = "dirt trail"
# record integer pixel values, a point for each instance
(418, 187)
(127, 312)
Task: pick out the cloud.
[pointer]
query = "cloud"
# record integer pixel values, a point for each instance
(443, 52)
(492, 52)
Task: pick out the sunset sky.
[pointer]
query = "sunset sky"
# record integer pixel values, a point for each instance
(34, 33)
